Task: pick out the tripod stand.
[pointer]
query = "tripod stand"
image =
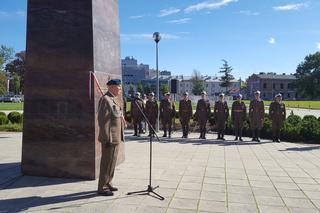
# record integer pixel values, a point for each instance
(150, 189)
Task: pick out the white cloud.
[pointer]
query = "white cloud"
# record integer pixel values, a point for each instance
(148, 36)
(249, 13)
(272, 40)
(318, 45)
(289, 7)
(137, 17)
(208, 5)
(168, 11)
(180, 21)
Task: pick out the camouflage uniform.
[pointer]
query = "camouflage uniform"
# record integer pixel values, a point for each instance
(238, 116)
(221, 114)
(277, 114)
(185, 112)
(202, 116)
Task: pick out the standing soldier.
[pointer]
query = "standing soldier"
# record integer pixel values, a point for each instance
(110, 117)
(238, 116)
(151, 112)
(167, 112)
(221, 114)
(136, 114)
(202, 114)
(185, 112)
(256, 115)
(277, 114)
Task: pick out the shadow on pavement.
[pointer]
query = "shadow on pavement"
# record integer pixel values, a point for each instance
(301, 149)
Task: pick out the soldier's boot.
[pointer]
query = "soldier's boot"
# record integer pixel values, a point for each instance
(169, 136)
(219, 137)
(253, 135)
(165, 132)
(222, 137)
(236, 134)
(135, 130)
(183, 131)
(187, 131)
(258, 135)
(240, 135)
(204, 133)
(201, 133)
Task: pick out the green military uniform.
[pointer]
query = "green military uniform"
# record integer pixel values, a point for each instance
(111, 134)
(221, 114)
(185, 112)
(202, 116)
(151, 111)
(277, 114)
(256, 116)
(238, 116)
(136, 114)
(167, 112)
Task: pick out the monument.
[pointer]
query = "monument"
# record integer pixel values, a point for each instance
(69, 45)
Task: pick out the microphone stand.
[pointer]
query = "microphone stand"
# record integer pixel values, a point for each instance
(150, 189)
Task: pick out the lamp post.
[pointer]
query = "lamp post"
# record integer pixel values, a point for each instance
(157, 38)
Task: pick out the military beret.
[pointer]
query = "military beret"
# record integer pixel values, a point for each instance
(114, 82)
(203, 93)
(221, 94)
(278, 95)
(239, 95)
(257, 92)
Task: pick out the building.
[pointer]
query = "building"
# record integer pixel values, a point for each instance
(271, 84)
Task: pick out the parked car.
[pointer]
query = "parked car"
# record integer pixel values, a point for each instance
(13, 99)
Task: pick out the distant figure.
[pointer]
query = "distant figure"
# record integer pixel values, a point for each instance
(238, 116)
(202, 114)
(136, 114)
(277, 114)
(111, 133)
(151, 111)
(221, 114)
(256, 115)
(167, 112)
(185, 112)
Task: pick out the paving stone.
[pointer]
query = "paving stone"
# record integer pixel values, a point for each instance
(212, 206)
(188, 204)
(242, 208)
(297, 202)
(215, 196)
(269, 201)
(273, 209)
(191, 194)
(241, 198)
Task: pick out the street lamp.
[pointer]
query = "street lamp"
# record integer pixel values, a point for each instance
(157, 38)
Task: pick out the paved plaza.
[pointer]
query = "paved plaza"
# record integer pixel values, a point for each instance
(194, 176)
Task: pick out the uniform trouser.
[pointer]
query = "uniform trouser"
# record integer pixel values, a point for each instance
(203, 129)
(107, 166)
(221, 126)
(166, 125)
(276, 127)
(256, 127)
(185, 126)
(153, 124)
(238, 126)
(137, 125)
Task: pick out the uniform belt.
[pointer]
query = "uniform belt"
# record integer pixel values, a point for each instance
(238, 110)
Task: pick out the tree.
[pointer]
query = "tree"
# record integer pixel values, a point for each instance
(18, 67)
(6, 54)
(164, 88)
(15, 85)
(198, 85)
(3, 83)
(147, 89)
(131, 90)
(227, 76)
(308, 77)
(139, 87)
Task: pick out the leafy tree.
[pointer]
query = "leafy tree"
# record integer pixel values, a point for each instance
(308, 77)
(164, 88)
(131, 90)
(198, 84)
(3, 83)
(15, 85)
(227, 76)
(139, 87)
(17, 67)
(146, 89)
(6, 54)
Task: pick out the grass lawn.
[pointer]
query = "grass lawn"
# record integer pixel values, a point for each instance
(11, 106)
(297, 104)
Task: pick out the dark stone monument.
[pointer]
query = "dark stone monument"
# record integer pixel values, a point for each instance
(66, 40)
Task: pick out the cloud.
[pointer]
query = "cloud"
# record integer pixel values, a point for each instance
(249, 13)
(137, 17)
(208, 5)
(272, 40)
(318, 45)
(148, 36)
(168, 11)
(180, 21)
(289, 7)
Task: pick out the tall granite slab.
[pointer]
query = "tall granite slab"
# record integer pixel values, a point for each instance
(66, 41)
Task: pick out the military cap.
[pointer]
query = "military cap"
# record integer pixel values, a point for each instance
(114, 82)
(239, 96)
(257, 92)
(151, 94)
(167, 94)
(138, 93)
(278, 95)
(186, 94)
(221, 94)
(203, 93)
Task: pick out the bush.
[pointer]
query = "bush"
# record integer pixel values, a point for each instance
(15, 117)
(294, 120)
(310, 128)
(291, 132)
(3, 118)
(11, 127)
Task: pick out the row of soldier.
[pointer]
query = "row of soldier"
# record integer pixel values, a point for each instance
(167, 110)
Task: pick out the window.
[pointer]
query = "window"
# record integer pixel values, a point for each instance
(265, 85)
(281, 86)
(289, 95)
(274, 85)
(264, 95)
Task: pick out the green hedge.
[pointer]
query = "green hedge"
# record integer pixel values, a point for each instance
(3, 118)
(15, 117)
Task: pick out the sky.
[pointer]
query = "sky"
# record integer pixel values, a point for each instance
(252, 35)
